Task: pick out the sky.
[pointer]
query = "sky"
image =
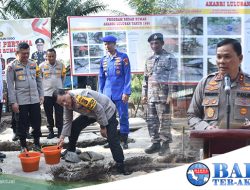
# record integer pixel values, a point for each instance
(119, 5)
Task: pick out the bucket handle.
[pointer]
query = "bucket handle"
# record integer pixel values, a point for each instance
(26, 152)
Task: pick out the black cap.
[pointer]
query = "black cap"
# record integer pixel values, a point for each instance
(155, 36)
(39, 40)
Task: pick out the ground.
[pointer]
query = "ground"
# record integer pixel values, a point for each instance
(90, 140)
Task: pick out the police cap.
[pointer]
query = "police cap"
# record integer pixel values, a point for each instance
(109, 39)
(39, 40)
(155, 36)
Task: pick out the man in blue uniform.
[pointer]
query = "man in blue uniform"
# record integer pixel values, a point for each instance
(115, 82)
(40, 55)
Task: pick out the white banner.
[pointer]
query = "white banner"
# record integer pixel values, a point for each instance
(191, 36)
(12, 32)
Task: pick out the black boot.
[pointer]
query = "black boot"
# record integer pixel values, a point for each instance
(2, 155)
(120, 167)
(125, 142)
(15, 137)
(37, 146)
(155, 147)
(164, 150)
(51, 134)
(106, 145)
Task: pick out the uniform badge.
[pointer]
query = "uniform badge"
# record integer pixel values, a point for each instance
(243, 111)
(213, 101)
(213, 83)
(245, 88)
(219, 77)
(210, 112)
(206, 101)
(118, 59)
(246, 84)
(212, 88)
(241, 78)
(20, 77)
(126, 61)
(89, 103)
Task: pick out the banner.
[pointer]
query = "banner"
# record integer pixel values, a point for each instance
(190, 34)
(12, 32)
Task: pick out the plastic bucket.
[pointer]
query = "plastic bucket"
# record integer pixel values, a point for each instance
(30, 161)
(52, 154)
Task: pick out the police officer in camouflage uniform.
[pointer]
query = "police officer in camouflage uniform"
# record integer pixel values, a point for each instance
(115, 82)
(160, 69)
(39, 56)
(25, 92)
(207, 110)
(53, 73)
(92, 107)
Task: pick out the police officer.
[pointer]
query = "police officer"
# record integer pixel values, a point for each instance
(53, 73)
(39, 56)
(25, 93)
(93, 107)
(2, 155)
(160, 68)
(207, 110)
(115, 82)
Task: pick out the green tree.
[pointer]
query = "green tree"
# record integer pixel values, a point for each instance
(146, 7)
(57, 10)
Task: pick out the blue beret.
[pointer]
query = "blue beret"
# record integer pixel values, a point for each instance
(155, 36)
(109, 39)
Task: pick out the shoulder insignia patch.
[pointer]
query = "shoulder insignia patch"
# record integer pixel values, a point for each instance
(86, 102)
(9, 68)
(126, 61)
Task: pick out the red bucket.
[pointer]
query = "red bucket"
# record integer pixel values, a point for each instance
(52, 154)
(30, 161)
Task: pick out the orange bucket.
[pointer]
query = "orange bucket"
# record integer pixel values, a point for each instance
(30, 161)
(52, 154)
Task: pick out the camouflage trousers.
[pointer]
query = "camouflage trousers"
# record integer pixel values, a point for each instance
(159, 122)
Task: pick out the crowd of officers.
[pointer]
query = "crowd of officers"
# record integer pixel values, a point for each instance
(32, 83)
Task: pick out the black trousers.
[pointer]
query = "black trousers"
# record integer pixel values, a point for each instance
(49, 106)
(113, 139)
(29, 114)
(1, 108)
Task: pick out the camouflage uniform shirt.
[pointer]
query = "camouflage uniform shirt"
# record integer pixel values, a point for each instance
(159, 70)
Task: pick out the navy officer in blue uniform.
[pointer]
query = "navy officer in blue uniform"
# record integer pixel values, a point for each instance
(115, 82)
